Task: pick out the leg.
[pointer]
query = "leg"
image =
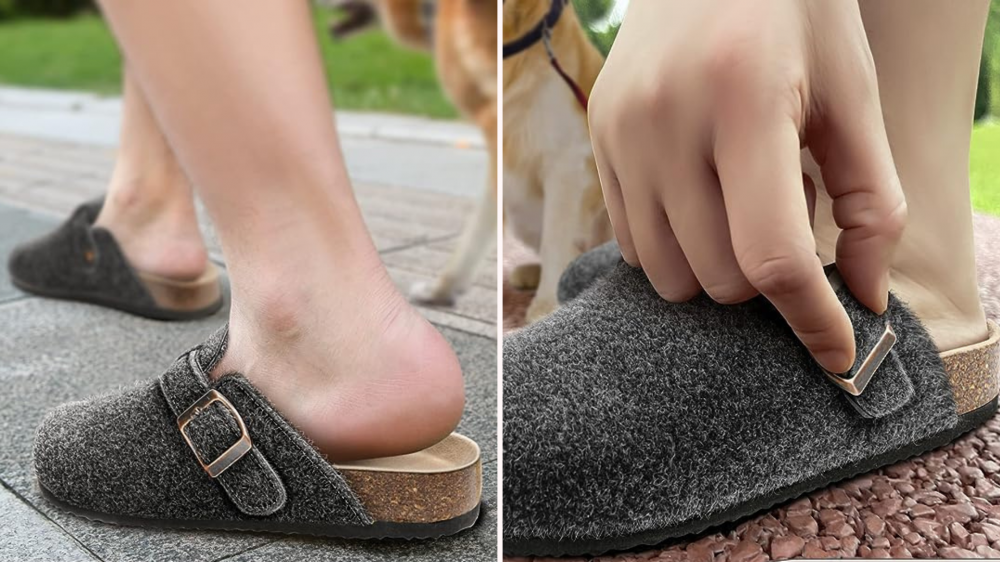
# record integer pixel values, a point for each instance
(927, 54)
(149, 205)
(478, 235)
(565, 231)
(316, 322)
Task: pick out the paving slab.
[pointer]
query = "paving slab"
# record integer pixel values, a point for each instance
(478, 303)
(56, 176)
(17, 224)
(429, 260)
(27, 535)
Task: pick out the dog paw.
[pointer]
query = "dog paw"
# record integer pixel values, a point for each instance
(539, 308)
(430, 292)
(525, 277)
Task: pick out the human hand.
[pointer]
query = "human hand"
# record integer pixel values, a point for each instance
(698, 119)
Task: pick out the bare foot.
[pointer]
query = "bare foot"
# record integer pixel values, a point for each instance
(158, 235)
(357, 370)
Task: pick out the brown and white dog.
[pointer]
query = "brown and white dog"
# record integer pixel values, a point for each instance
(462, 34)
(552, 195)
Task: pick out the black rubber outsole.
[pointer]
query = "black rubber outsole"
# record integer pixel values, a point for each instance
(153, 313)
(546, 547)
(379, 530)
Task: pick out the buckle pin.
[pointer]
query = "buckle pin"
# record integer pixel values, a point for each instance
(235, 452)
(856, 384)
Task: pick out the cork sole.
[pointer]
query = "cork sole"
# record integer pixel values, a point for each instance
(428, 494)
(972, 371)
(973, 374)
(174, 300)
(438, 483)
(184, 296)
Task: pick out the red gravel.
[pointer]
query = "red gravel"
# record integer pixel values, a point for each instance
(944, 504)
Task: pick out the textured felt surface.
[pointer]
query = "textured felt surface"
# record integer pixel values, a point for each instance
(587, 268)
(77, 259)
(935, 505)
(706, 406)
(123, 454)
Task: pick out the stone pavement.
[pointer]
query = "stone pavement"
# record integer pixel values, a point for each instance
(52, 352)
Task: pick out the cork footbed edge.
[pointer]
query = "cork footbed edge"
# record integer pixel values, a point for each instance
(192, 295)
(973, 371)
(441, 482)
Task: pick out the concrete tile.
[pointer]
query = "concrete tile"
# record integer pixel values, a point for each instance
(17, 225)
(427, 167)
(478, 357)
(56, 161)
(26, 534)
(13, 173)
(429, 260)
(478, 303)
(52, 197)
(13, 147)
(406, 205)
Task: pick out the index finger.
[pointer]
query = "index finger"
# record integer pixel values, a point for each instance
(760, 171)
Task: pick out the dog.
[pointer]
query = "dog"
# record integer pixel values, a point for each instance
(552, 194)
(462, 35)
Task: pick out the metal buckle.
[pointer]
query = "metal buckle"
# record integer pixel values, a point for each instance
(856, 384)
(234, 452)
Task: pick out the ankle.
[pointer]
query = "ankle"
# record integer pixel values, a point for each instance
(155, 223)
(951, 313)
(362, 374)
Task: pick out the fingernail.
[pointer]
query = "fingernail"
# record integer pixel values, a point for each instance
(884, 293)
(834, 361)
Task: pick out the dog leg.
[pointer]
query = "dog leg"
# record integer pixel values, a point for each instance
(564, 228)
(526, 277)
(478, 237)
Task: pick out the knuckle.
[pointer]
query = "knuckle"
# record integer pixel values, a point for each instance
(730, 64)
(894, 222)
(653, 103)
(777, 273)
(677, 292)
(731, 292)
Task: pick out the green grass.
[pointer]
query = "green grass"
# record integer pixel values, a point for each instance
(984, 166)
(368, 72)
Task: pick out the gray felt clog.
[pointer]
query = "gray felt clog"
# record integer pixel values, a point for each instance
(81, 262)
(629, 420)
(184, 452)
(587, 268)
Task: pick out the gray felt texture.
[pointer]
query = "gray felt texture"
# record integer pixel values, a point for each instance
(55, 262)
(624, 413)
(56, 265)
(587, 268)
(122, 454)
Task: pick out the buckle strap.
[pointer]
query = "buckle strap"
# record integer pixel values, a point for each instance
(877, 385)
(215, 431)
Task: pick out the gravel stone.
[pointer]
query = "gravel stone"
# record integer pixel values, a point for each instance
(783, 548)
